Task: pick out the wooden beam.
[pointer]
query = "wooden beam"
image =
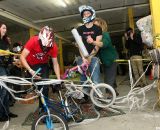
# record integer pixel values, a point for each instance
(130, 17)
(155, 13)
(32, 32)
(61, 56)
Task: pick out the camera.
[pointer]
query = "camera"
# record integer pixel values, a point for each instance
(129, 31)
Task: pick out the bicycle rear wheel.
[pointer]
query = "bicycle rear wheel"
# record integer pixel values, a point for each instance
(103, 99)
(74, 109)
(54, 122)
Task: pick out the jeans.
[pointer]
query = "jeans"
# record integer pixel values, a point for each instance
(4, 96)
(94, 69)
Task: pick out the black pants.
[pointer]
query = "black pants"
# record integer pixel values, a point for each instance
(110, 74)
(44, 73)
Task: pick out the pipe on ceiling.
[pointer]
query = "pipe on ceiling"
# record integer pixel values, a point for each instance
(98, 11)
(25, 22)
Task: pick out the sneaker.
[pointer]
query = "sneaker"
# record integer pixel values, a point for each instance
(4, 118)
(12, 115)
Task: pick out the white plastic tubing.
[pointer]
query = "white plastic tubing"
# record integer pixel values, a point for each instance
(136, 97)
(80, 42)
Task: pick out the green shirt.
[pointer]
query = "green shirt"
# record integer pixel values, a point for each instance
(107, 53)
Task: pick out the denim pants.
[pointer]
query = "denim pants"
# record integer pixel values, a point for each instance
(4, 96)
(94, 69)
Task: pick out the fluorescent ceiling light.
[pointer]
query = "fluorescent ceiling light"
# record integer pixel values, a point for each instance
(60, 3)
(67, 2)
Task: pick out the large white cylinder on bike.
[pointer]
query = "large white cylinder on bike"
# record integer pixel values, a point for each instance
(80, 42)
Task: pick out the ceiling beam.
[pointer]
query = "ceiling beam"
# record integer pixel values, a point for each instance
(97, 11)
(18, 19)
(23, 21)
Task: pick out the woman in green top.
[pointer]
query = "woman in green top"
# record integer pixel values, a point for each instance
(107, 55)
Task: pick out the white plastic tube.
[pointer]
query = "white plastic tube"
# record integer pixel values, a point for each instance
(80, 42)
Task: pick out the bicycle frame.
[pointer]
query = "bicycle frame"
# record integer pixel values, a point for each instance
(60, 108)
(88, 83)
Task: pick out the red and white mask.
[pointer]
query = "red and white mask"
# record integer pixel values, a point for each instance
(46, 36)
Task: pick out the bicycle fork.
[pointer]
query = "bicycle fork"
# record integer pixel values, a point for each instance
(63, 103)
(98, 92)
(48, 120)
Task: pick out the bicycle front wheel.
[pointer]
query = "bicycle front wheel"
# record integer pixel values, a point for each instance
(52, 122)
(103, 95)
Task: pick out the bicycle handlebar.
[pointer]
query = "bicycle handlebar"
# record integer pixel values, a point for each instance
(79, 68)
(34, 86)
(39, 69)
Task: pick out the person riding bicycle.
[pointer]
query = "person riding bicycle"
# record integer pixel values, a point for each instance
(36, 54)
(89, 33)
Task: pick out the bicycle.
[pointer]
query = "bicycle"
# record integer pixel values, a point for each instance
(97, 93)
(61, 111)
(65, 109)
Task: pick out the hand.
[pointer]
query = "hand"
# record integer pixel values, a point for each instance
(18, 64)
(89, 59)
(90, 39)
(131, 36)
(32, 72)
(126, 36)
(85, 61)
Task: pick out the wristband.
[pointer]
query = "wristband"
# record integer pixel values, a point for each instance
(30, 70)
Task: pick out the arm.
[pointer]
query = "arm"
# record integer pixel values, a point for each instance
(96, 43)
(105, 42)
(85, 60)
(96, 49)
(24, 62)
(56, 67)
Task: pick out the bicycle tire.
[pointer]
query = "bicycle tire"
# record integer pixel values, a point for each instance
(105, 100)
(58, 122)
(74, 109)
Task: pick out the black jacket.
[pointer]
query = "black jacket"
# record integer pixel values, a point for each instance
(134, 46)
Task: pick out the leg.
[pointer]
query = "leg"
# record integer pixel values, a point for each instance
(79, 62)
(134, 68)
(94, 69)
(82, 79)
(4, 97)
(4, 102)
(44, 74)
(141, 71)
(110, 76)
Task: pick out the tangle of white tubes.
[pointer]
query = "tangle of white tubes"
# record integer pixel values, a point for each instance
(135, 99)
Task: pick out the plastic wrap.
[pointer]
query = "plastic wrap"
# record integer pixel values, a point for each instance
(145, 26)
(80, 42)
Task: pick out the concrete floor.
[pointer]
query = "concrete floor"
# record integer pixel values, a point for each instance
(144, 119)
